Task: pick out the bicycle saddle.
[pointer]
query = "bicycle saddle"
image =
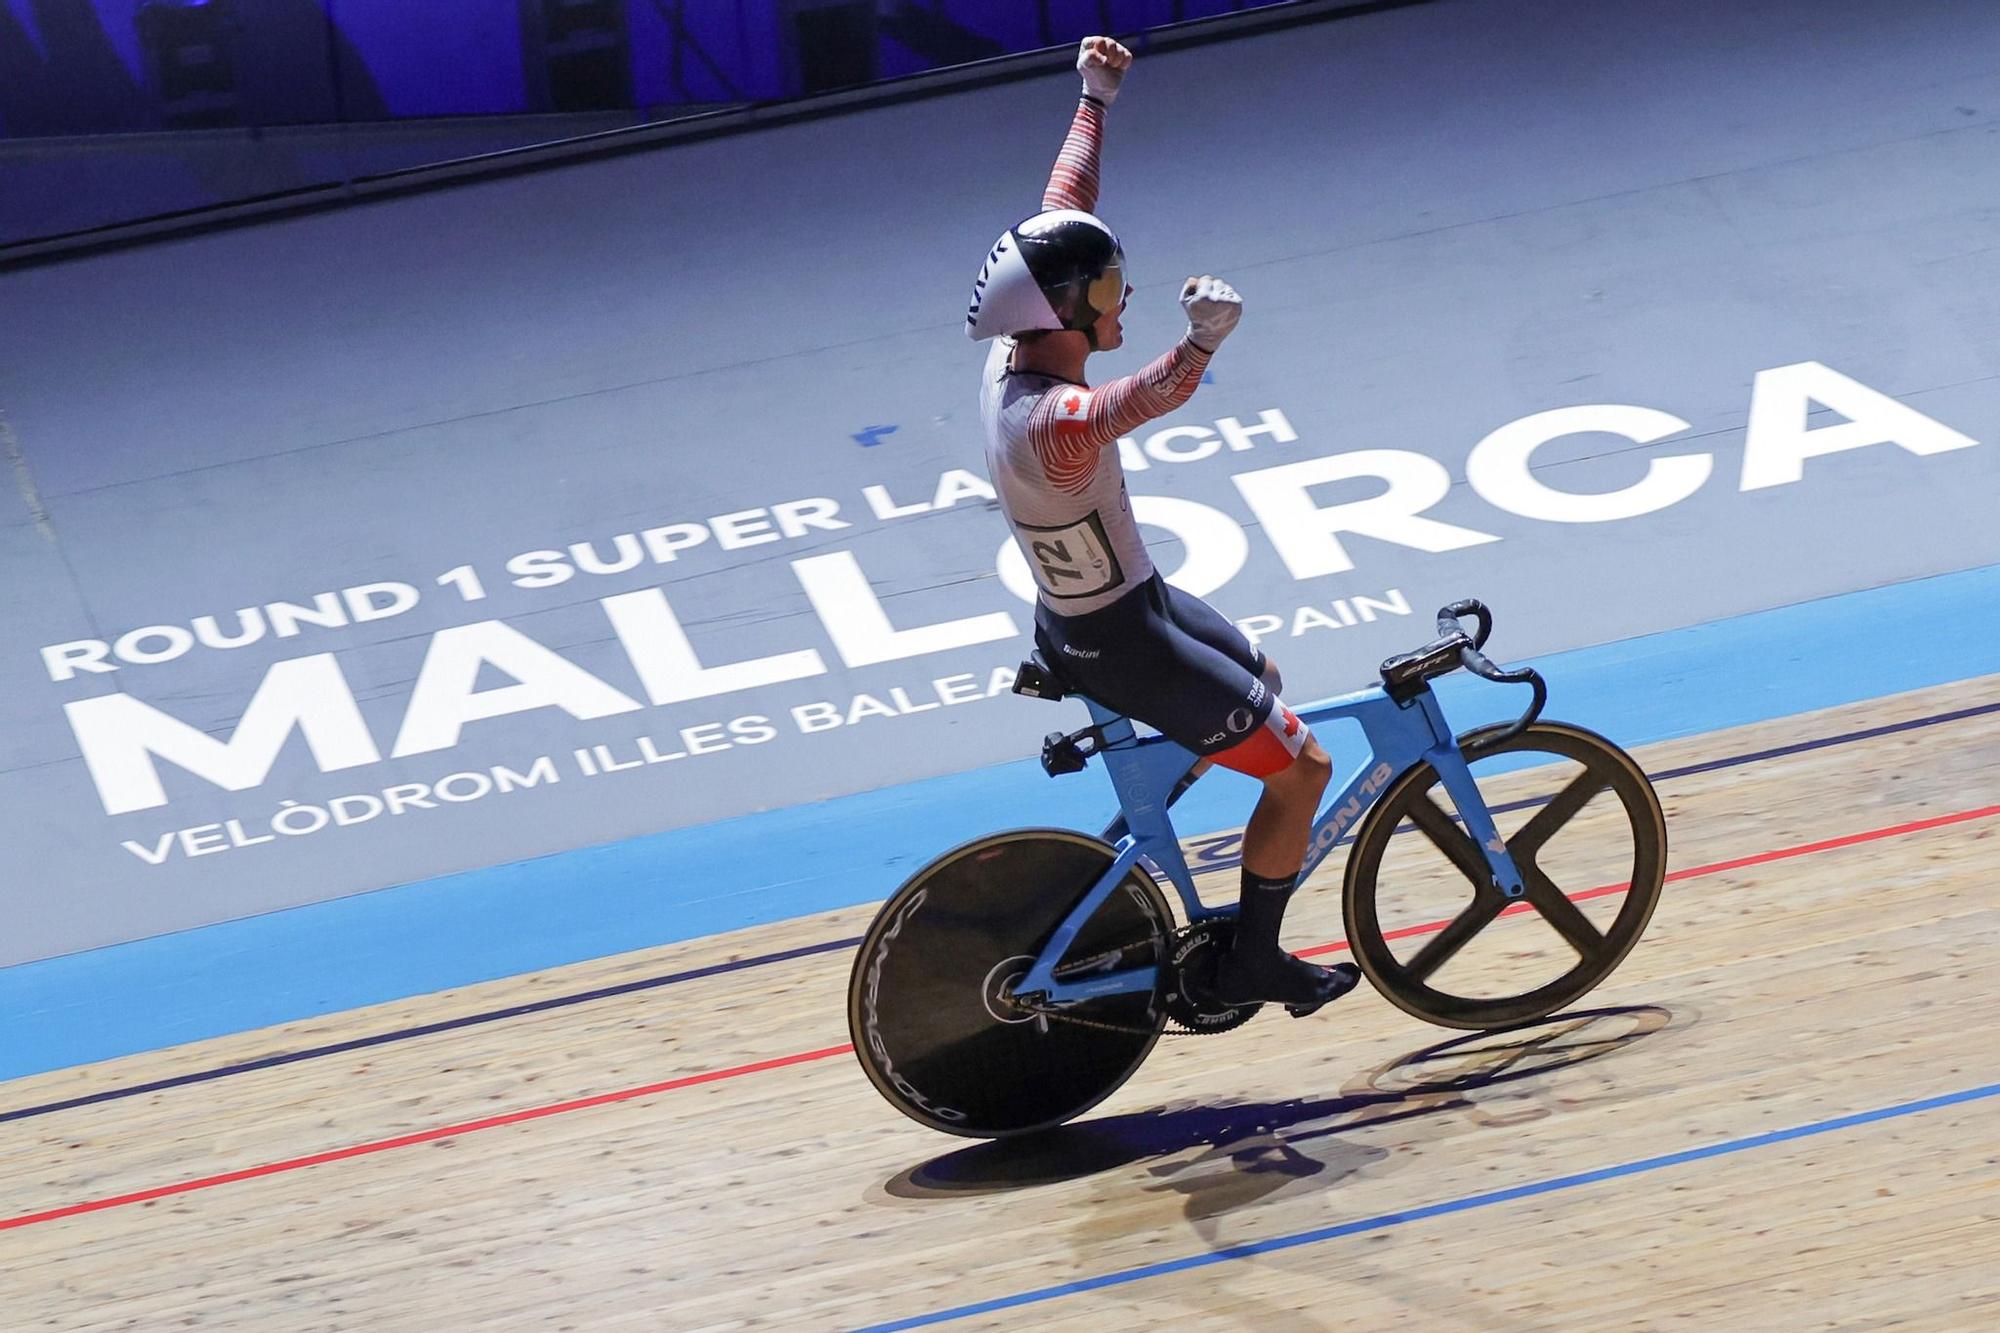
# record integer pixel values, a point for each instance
(1038, 680)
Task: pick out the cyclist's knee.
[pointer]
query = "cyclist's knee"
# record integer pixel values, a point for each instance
(1273, 679)
(1310, 770)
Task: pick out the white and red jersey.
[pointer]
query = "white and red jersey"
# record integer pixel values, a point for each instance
(1051, 451)
(1051, 446)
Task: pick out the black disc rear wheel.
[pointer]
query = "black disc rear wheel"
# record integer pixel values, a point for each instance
(928, 1002)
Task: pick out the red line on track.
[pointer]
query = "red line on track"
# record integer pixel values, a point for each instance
(827, 1052)
(422, 1136)
(1695, 872)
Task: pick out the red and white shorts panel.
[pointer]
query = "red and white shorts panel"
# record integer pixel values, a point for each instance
(1269, 749)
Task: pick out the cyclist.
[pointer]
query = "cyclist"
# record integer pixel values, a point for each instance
(1052, 292)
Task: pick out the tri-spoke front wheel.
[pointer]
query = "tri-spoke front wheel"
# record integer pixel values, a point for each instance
(1439, 939)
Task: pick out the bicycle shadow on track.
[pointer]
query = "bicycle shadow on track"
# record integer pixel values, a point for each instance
(1225, 1155)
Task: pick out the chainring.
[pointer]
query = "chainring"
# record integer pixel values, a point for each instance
(1190, 999)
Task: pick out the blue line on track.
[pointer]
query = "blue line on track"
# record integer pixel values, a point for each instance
(829, 946)
(1466, 1204)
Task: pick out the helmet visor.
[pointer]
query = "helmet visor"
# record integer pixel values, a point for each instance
(1107, 289)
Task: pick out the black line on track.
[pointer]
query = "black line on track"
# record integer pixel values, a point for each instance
(1827, 742)
(831, 946)
(430, 1029)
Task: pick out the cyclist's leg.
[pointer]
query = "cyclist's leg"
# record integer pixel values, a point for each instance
(1208, 625)
(1274, 841)
(1294, 770)
(1173, 662)
(1294, 776)
(1211, 627)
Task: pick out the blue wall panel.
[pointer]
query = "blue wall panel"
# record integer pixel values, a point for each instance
(430, 60)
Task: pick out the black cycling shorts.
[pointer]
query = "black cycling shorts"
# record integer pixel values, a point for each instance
(1166, 658)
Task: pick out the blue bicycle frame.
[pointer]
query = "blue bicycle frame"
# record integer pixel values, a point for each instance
(1149, 772)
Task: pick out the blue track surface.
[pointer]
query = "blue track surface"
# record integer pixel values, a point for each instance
(694, 882)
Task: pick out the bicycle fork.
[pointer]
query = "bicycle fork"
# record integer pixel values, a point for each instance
(1446, 756)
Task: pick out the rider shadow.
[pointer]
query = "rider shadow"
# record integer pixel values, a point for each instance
(1245, 1151)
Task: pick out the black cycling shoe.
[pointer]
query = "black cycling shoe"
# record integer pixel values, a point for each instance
(1281, 978)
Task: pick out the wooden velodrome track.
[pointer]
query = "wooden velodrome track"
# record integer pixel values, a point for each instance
(1781, 1114)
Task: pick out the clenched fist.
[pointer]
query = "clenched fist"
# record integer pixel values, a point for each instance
(1103, 63)
(1213, 307)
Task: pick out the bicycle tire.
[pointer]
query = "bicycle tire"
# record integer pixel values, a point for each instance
(1406, 983)
(922, 1008)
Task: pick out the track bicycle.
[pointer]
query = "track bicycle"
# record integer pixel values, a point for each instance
(1019, 979)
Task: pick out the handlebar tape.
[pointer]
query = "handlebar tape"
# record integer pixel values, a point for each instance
(1447, 621)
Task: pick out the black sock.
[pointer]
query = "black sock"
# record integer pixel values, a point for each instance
(1263, 911)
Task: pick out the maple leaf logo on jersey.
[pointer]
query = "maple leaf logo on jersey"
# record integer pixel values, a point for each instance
(1292, 735)
(1072, 414)
(1073, 409)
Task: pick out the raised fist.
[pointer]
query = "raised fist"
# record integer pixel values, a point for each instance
(1103, 63)
(1213, 307)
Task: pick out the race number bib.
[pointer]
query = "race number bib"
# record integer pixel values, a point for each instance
(1073, 561)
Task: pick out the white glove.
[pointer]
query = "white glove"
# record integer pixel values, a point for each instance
(1103, 63)
(1213, 307)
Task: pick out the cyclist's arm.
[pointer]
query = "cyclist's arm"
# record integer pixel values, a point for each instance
(1070, 427)
(1073, 183)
